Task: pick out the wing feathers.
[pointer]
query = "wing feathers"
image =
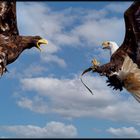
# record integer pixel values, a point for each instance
(129, 66)
(8, 21)
(130, 75)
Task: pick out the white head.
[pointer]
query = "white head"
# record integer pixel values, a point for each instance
(112, 46)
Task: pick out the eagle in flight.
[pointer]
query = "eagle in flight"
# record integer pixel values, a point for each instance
(123, 70)
(11, 43)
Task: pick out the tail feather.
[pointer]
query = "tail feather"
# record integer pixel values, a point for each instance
(129, 65)
(130, 75)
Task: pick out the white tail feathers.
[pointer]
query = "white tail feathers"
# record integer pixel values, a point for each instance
(130, 75)
(129, 65)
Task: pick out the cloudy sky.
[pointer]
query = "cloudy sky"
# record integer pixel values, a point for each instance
(42, 95)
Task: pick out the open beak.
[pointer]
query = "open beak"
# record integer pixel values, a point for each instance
(41, 41)
(105, 46)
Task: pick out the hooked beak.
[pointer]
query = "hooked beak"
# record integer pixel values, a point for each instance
(41, 41)
(105, 45)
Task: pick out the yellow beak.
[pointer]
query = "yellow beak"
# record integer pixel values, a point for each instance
(41, 41)
(105, 45)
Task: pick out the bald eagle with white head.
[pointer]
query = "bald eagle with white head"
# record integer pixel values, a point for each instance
(111, 45)
(123, 70)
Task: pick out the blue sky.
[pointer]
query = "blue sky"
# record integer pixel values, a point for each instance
(42, 95)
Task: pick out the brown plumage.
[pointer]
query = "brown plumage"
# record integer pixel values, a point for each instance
(131, 44)
(123, 70)
(11, 43)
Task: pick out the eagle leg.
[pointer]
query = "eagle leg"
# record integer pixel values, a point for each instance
(3, 62)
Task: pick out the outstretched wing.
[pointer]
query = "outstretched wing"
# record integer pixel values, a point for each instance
(130, 46)
(131, 43)
(132, 22)
(8, 22)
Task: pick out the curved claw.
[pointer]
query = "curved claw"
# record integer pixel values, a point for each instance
(95, 62)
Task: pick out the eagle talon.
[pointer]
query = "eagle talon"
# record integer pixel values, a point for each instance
(95, 63)
(3, 69)
(3, 63)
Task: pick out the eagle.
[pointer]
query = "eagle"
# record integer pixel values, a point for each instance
(123, 70)
(12, 44)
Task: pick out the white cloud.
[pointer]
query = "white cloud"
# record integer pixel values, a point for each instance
(53, 58)
(70, 99)
(50, 130)
(36, 104)
(67, 96)
(94, 32)
(62, 30)
(121, 7)
(32, 70)
(124, 132)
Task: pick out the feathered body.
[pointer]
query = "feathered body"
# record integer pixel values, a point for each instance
(13, 46)
(11, 43)
(130, 76)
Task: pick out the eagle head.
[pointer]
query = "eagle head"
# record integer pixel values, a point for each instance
(38, 41)
(112, 46)
(106, 44)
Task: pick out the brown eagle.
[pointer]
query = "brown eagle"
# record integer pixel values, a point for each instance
(123, 70)
(11, 43)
